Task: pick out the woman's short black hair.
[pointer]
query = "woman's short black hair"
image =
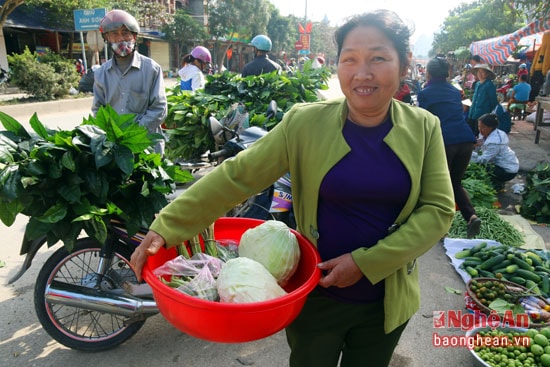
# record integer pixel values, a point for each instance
(489, 120)
(388, 22)
(438, 67)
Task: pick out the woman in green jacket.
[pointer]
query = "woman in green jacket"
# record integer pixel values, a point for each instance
(371, 190)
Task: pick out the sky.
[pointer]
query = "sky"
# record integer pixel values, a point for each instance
(426, 18)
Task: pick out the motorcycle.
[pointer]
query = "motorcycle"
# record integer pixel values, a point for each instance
(503, 92)
(275, 202)
(4, 78)
(89, 299)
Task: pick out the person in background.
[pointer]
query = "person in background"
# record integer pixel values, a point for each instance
(318, 62)
(374, 196)
(129, 82)
(195, 65)
(484, 99)
(80, 67)
(403, 94)
(86, 83)
(519, 95)
(492, 150)
(445, 101)
(474, 60)
(523, 71)
(261, 64)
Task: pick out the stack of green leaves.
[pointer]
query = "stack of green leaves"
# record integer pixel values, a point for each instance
(536, 194)
(67, 182)
(187, 124)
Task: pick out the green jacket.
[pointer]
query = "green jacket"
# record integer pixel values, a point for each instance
(307, 143)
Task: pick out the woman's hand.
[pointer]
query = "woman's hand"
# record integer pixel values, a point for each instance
(148, 247)
(340, 272)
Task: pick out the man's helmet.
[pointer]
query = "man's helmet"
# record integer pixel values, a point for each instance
(523, 66)
(261, 42)
(115, 19)
(201, 53)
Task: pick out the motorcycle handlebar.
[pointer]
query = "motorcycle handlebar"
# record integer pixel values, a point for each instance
(223, 153)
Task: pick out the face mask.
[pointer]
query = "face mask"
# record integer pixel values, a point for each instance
(123, 48)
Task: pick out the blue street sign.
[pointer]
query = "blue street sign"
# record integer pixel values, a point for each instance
(88, 19)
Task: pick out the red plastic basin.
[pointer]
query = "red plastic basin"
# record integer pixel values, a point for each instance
(234, 323)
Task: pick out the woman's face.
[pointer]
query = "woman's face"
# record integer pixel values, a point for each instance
(369, 73)
(483, 129)
(482, 74)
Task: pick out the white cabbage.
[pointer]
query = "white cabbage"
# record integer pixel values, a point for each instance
(243, 280)
(274, 246)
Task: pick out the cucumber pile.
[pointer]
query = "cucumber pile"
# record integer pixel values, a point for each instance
(529, 268)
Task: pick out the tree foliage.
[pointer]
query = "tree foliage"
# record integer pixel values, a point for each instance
(283, 31)
(473, 22)
(184, 30)
(150, 14)
(7, 8)
(229, 18)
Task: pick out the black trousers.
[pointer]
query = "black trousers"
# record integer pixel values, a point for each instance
(458, 158)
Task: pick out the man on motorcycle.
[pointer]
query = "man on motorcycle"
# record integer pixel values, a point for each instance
(129, 82)
(262, 63)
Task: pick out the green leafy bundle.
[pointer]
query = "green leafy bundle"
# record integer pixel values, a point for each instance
(493, 227)
(70, 181)
(187, 123)
(536, 195)
(477, 183)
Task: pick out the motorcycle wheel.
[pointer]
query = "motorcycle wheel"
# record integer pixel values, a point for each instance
(75, 327)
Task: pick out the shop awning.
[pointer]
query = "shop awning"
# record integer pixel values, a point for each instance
(495, 51)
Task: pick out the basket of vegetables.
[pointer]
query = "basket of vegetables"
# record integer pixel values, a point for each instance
(500, 296)
(249, 305)
(505, 346)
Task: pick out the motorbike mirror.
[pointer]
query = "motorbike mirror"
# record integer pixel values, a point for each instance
(215, 126)
(272, 108)
(220, 132)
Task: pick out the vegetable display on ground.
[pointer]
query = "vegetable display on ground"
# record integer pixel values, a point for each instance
(493, 227)
(513, 347)
(528, 268)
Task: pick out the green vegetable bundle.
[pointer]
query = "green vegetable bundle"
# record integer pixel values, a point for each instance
(493, 227)
(187, 122)
(70, 181)
(536, 195)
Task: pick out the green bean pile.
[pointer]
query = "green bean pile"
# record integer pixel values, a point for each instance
(493, 227)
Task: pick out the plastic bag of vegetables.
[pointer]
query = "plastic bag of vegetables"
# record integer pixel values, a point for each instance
(194, 276)
(273, 245)
(243, 280)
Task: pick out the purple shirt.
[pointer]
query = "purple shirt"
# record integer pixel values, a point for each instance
(359, 199)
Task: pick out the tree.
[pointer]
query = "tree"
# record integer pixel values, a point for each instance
(531, 9)
(229, 18)
(473, 22)
(282, 31)
(322, 40)
(184, 30)
(6, 9)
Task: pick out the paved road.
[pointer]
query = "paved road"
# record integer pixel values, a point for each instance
(23, 343)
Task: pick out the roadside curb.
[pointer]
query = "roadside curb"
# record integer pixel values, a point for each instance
(42, 108)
